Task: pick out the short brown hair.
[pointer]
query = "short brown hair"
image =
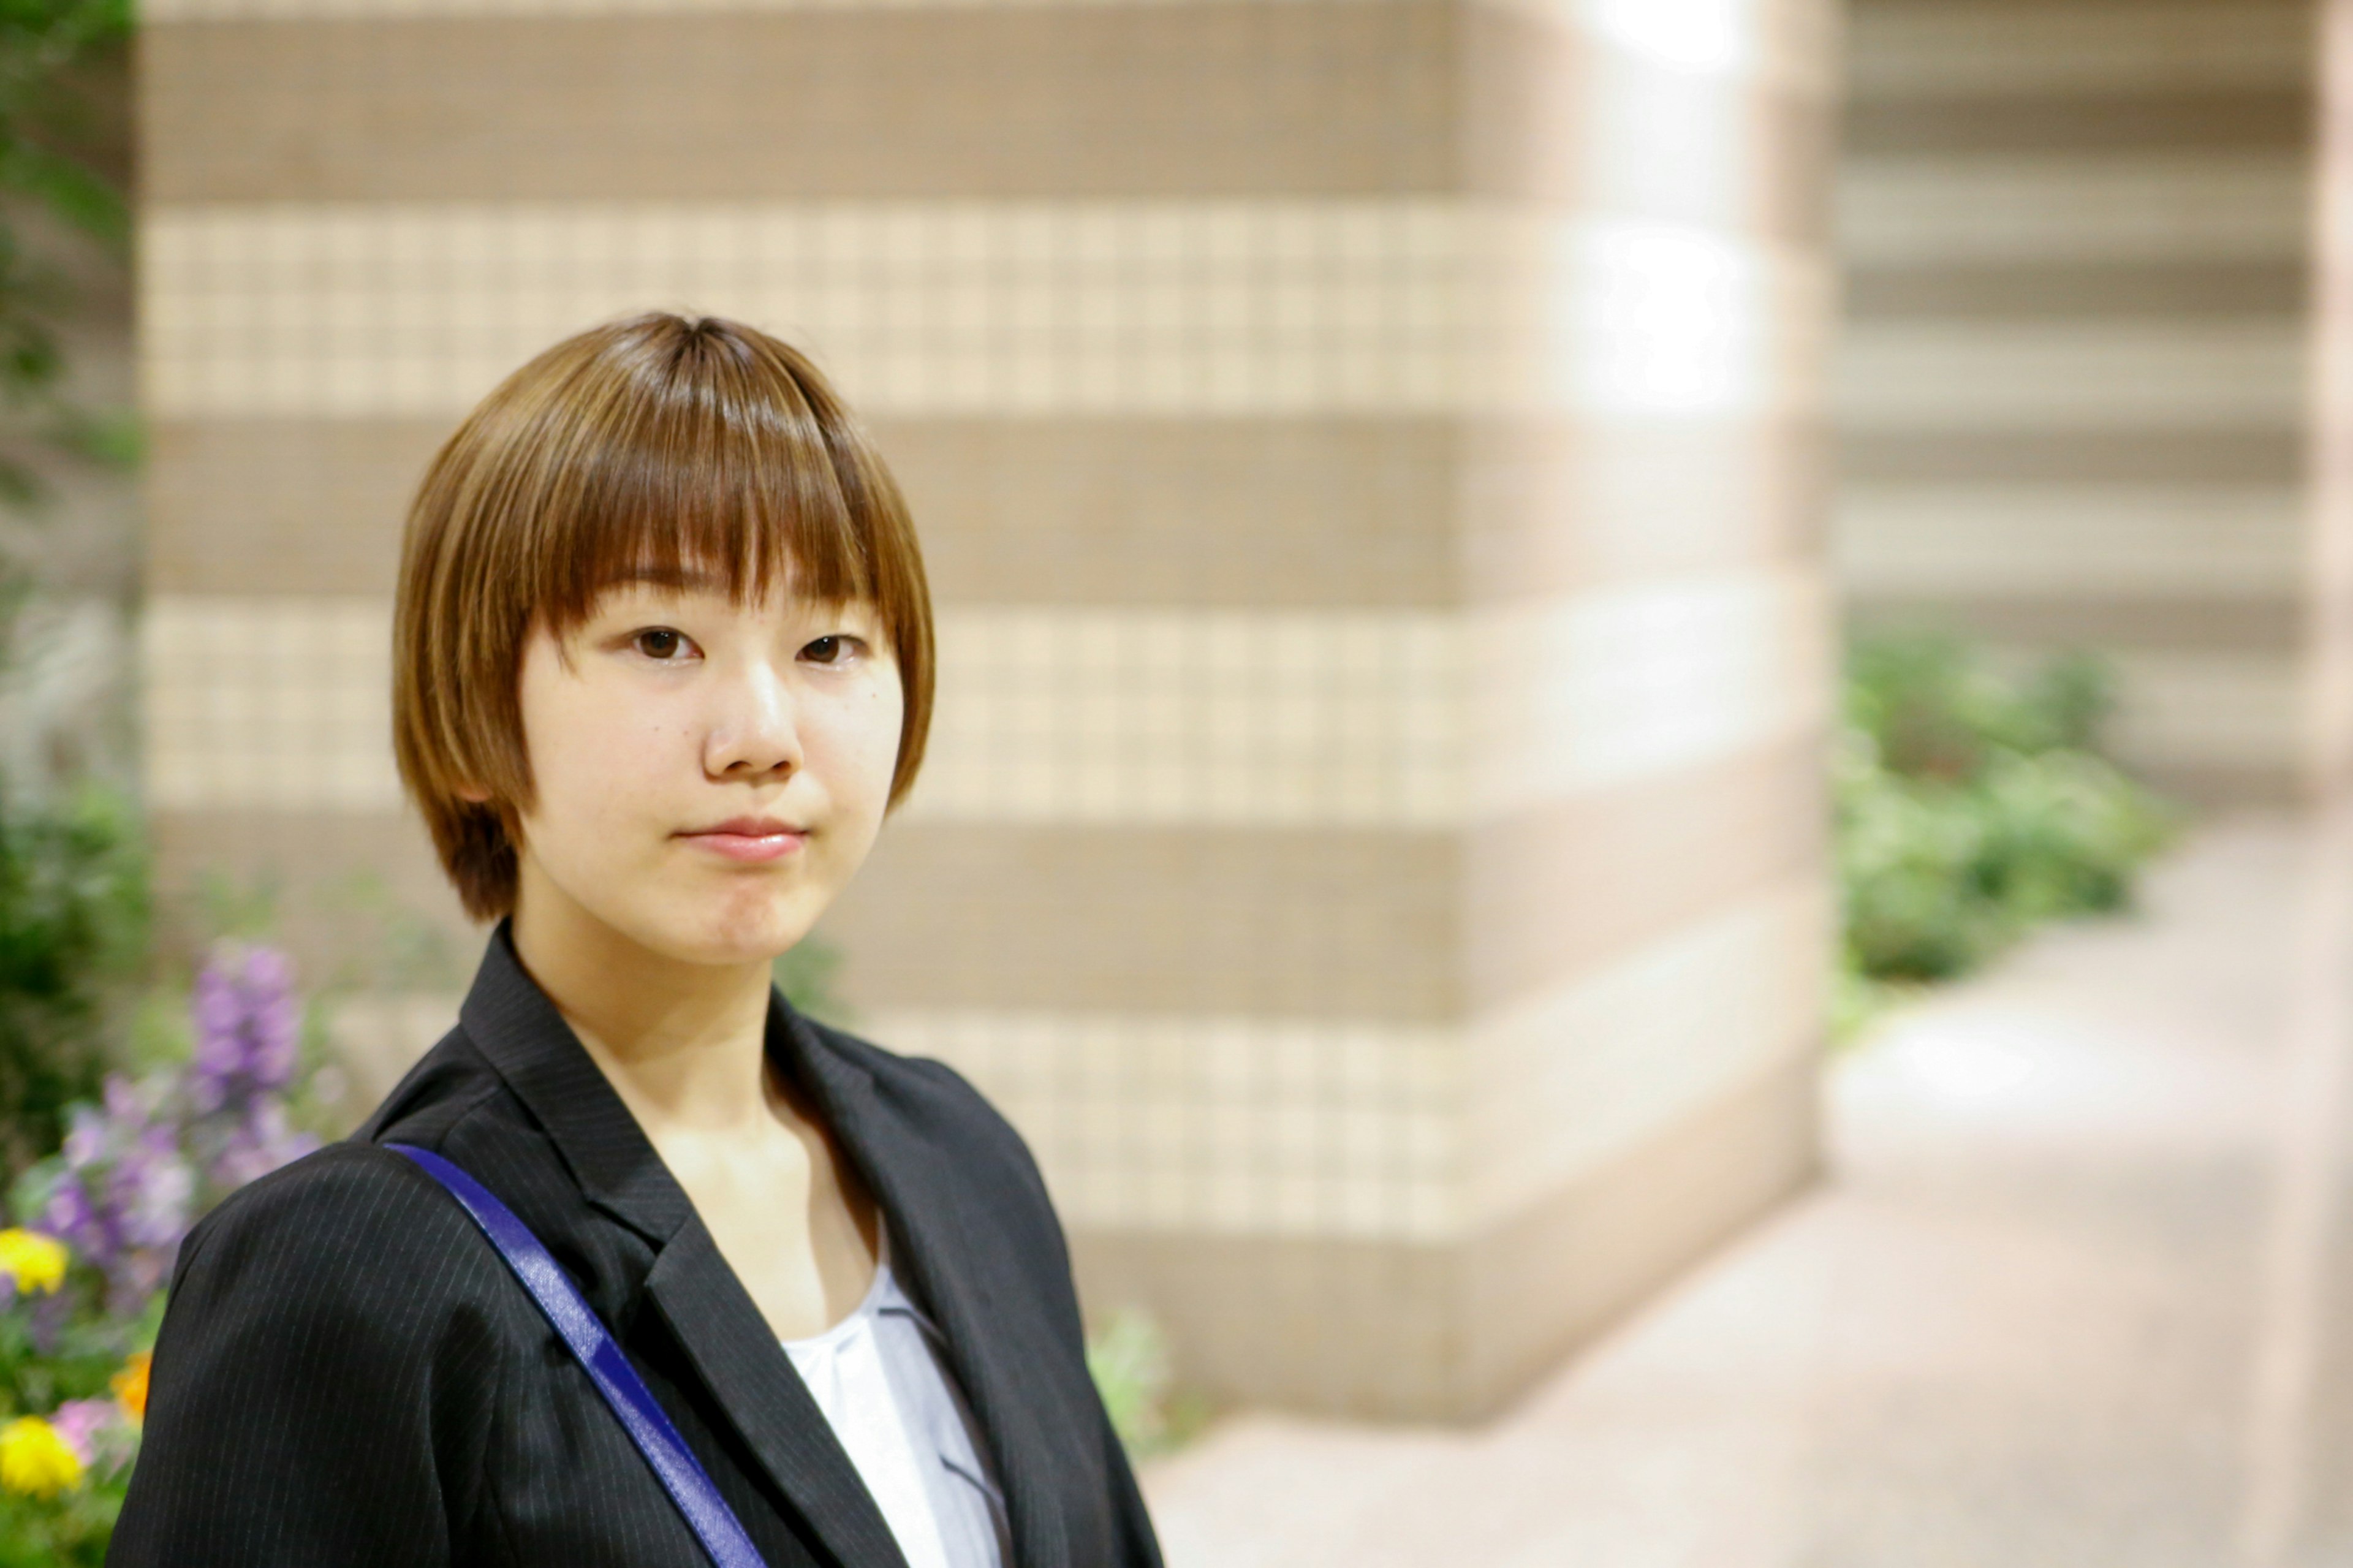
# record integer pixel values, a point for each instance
(656, 443)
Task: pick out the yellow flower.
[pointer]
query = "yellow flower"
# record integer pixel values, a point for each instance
(35, 1460)
(35, 1261)
(130, 1385)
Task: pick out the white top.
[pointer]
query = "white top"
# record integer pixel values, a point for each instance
(878, 1377)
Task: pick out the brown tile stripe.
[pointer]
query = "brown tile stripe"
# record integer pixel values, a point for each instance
(1296, 513)
(2074, 290)
(281, 507)
(1275, 923)
(1554, 894)
(1211, 99)
(329, 875)
(1290, 513)
(1434, 1332)
(1020, 100)
(2236, 120)
(2088, 618)
(2251, 454)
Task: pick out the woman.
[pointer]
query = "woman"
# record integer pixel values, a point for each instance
(662, 660)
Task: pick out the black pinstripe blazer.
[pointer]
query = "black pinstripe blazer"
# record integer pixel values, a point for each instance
(347, 1374)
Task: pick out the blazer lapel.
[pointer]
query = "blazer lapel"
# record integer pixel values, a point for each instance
(916, 1189)
(741, 1364)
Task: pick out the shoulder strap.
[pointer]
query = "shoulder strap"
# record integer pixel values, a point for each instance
(681, 1475)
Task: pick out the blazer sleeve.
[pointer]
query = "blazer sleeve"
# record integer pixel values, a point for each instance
(325, 1381)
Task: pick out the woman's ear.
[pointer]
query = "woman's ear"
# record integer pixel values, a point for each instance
(474, 795)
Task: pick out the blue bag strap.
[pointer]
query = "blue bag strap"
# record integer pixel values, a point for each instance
(575, 1322)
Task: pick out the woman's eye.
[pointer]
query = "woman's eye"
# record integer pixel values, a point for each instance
(829, 649)
(660, 642)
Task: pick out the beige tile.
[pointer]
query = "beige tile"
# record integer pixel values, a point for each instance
(1263, 718)
(930, 308)
(1266, 923)
(1562, 891)
(1205, 100)
(2270, 453)
(2214, 118)
(272, 507)
(1958, 375)
(2084, 615)
(1427, 1331)
(2190, 203)
(1307, 512)
(2061, 290)
(2143, 541)
(1996, 48)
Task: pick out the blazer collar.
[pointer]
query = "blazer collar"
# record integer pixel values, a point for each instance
(513, 1022)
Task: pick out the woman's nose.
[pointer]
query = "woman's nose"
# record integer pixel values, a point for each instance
(753, 726)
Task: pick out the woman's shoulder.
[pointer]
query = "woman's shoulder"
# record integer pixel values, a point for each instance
(344, 1220)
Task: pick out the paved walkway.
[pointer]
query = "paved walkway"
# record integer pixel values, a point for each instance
(2078, 1291)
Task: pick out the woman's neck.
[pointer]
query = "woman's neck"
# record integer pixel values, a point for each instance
(683, 1044)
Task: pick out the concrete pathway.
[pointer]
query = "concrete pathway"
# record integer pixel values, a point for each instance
(2078, 1291)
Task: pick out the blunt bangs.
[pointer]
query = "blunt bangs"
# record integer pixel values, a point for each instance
(657, 446)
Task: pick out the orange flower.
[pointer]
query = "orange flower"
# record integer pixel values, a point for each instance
(130, 1386)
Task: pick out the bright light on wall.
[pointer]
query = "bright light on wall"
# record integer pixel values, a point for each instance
(1690, 35)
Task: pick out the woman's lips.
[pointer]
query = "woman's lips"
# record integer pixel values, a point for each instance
(749, 846)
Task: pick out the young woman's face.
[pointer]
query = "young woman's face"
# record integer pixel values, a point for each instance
(708, 774)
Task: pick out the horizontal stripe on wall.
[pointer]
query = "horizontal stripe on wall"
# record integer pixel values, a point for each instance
(1953, 375)
(1340, 718)
(2271, 454)
(2174, 291)
(2081, 616)
(2144, 542)
(1313, 512)
(1249, 1126)
(2040, 208)
(998, 309)
(2253, 119)
(1931, 49)
(1561, 1085)
(1390, 926)
(1573, 886)
(1210, 100)
(1783, 41)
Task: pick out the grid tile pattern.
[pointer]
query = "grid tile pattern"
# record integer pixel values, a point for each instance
(1000, 309)
(1365, 718)
(1240, 1126)
(1221, 1125)
(276, 703)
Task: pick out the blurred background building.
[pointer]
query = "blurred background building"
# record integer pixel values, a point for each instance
(1376, 460)
(2077, 240)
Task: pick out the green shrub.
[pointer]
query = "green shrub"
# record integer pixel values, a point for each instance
(1971, 806)
(1135, 1374)
(73, 906)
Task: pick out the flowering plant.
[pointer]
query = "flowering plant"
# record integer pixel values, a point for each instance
(81, 1276)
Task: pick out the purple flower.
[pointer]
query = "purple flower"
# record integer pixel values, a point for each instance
(258, 1145)
(248, 1027)
(121, 1197)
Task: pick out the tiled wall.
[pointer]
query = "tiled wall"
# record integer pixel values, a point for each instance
(2074, 385)
(1368, 453)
